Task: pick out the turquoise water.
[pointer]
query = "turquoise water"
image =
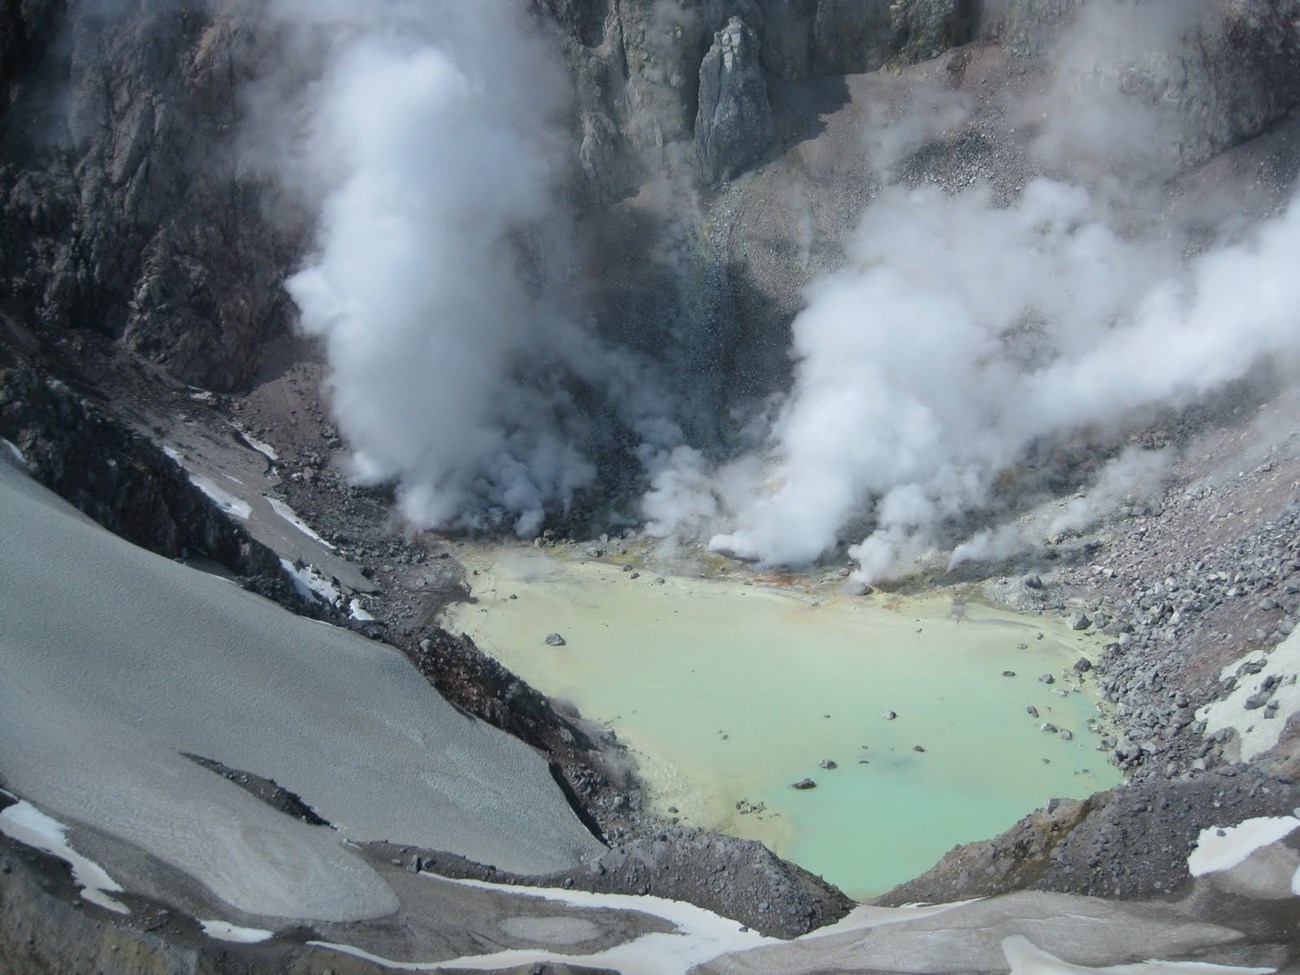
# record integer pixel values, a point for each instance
(728, 693)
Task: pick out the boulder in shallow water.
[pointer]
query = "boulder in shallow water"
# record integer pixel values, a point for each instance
(803, 784)
(555, 640)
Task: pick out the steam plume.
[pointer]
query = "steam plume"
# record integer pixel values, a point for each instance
(430, 133)
(962, 330)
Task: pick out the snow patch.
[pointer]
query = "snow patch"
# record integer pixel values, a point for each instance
(13, 449)
(311, 583)
(224, 931)
(291, 516)
(356, 611)
(265, 449)
(228, 503)
(700, 936)
(1025, 958)
(27, 824)
(1257, 733)
(1215, 853)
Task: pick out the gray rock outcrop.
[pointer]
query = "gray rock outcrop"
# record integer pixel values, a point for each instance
(734, 127)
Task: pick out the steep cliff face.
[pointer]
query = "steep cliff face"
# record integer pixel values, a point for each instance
(121, 198)
(126, 207)
(640, 84)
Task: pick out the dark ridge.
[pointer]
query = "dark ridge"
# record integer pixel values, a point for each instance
(268, 790)
(575, 802)
(87, 456)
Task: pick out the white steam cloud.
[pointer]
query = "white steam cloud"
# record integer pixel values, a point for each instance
(964, 332)
(960, 332)
(1135, 473)
(432, 132)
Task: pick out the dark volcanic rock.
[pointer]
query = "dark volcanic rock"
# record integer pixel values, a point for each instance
(739, 879)
(79, 450)
(268, 790)
(121, 205)
(810, 38)
(1130, 842)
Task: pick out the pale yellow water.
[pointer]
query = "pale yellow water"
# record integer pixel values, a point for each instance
(728, 692)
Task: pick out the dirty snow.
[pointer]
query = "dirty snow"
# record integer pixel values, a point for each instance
(1215, 853)
(224, 931)
(1257, 733)
(265, 449)
(27, 824)
(228, 503)
(291, 516)
(310, 583)
(1027, 959)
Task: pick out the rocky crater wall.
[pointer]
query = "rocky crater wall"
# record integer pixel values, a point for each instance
(127, 204)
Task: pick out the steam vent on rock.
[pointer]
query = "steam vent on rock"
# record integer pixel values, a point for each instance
(650, 487)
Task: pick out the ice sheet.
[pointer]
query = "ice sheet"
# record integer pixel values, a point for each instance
(115, 661)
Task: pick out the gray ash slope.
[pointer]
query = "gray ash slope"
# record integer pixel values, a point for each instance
(134, 230)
